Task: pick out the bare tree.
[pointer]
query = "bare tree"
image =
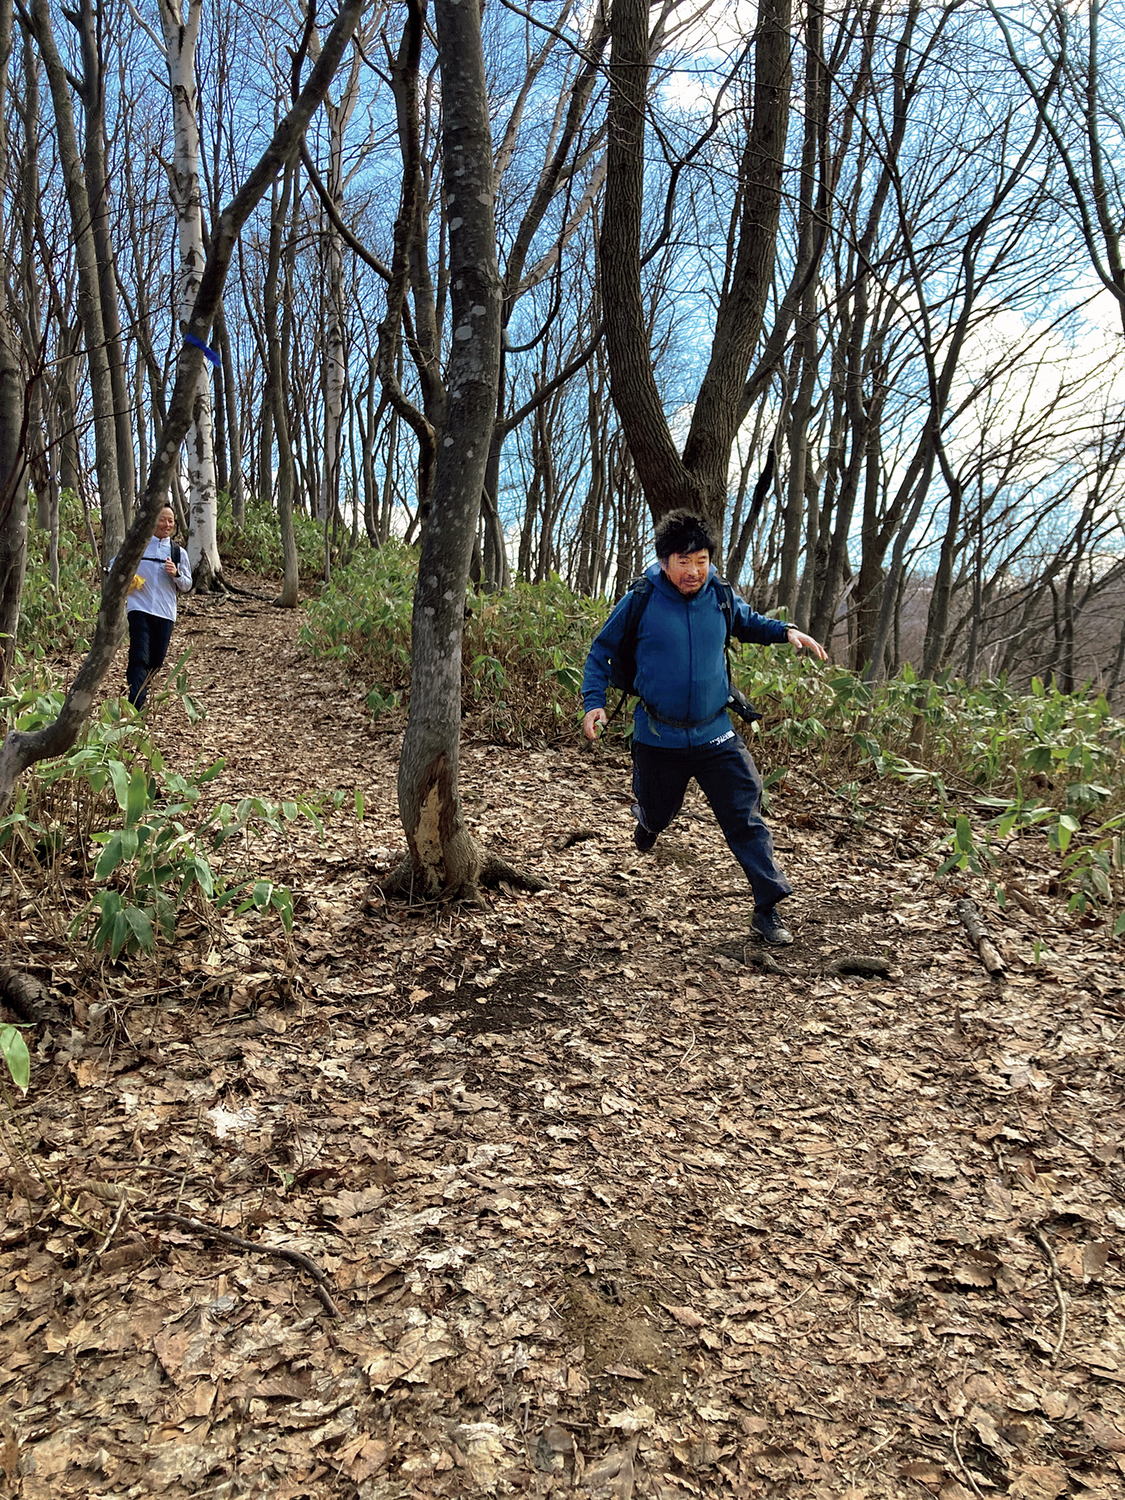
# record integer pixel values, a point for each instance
(90, 307)
(444, 859)
(180, 25)
(13, 446)
(699, 477)
(1078, 100)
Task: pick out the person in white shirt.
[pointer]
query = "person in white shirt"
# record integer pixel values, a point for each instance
(162, 573)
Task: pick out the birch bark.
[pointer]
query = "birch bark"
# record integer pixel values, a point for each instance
(180, 23)
(338, 115)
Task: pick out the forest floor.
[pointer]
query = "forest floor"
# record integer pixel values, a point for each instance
(604, 1199)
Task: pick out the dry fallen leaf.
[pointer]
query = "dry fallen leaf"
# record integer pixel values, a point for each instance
(687, 1317)
(1104, 1433)
(1040, 1482)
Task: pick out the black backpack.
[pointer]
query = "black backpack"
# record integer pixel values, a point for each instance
(623, 665)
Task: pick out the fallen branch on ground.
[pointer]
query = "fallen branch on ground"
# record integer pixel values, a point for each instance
(278, 1252)
(1060, 1295)
(986, 948)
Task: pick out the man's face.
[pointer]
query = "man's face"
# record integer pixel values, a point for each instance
(687, 571)
(165, 523)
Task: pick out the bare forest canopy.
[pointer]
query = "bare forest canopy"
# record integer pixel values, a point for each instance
(932, 394)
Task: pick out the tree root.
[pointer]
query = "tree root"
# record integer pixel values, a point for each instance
(492, 872)
(222, 586)
(400, 880)
(495, 872)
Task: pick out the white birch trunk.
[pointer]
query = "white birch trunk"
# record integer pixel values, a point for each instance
(334, 351)
(180, 21)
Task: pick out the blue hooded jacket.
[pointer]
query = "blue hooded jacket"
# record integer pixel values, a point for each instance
(681, 666)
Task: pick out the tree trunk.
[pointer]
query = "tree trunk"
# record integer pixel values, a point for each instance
(181, 33)
(13, 464)
(445, 860)
(334, 351)
(699, 479)
(286, 469)
(236, 480)
(89, 22)
(89, 294)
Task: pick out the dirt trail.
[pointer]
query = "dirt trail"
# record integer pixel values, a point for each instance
(609, 1203)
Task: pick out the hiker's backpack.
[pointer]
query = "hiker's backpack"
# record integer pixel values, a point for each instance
(176, 555)
(623, 664)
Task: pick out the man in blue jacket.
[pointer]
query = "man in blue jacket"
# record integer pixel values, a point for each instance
(681, 728)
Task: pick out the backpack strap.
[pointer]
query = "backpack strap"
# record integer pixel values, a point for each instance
(738, 699)
(640, 591)
(177, 554)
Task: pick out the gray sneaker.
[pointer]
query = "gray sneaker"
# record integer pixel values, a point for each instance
(770, 928)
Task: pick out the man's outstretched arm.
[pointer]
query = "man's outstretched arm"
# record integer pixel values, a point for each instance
(802, 642)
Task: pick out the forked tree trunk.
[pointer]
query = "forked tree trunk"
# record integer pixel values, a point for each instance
(699, 478)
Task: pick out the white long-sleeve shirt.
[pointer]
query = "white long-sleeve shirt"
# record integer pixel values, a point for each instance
(158, 597)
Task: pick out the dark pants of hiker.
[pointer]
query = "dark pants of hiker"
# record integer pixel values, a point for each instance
(148, 646)
(729, 779)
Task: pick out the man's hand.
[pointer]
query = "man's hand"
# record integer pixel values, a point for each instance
(802, 642)
(170, 567)
(590, 724)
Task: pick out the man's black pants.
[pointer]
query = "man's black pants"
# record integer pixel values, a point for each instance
(729, 779)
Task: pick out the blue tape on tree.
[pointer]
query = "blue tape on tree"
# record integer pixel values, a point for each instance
(190, 338)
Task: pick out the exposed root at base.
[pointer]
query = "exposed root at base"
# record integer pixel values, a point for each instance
(405, 880)
(496, 871)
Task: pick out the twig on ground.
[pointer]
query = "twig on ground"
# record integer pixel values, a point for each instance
(26, 1155)
(278, 1252)
(987, 950)
(1109, 1175)
(786, 1305)
(686, 1055)
(1060, 1295)
(123, 1204)
(962, 1465)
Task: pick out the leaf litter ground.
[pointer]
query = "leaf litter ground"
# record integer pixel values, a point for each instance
(609, 1200)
